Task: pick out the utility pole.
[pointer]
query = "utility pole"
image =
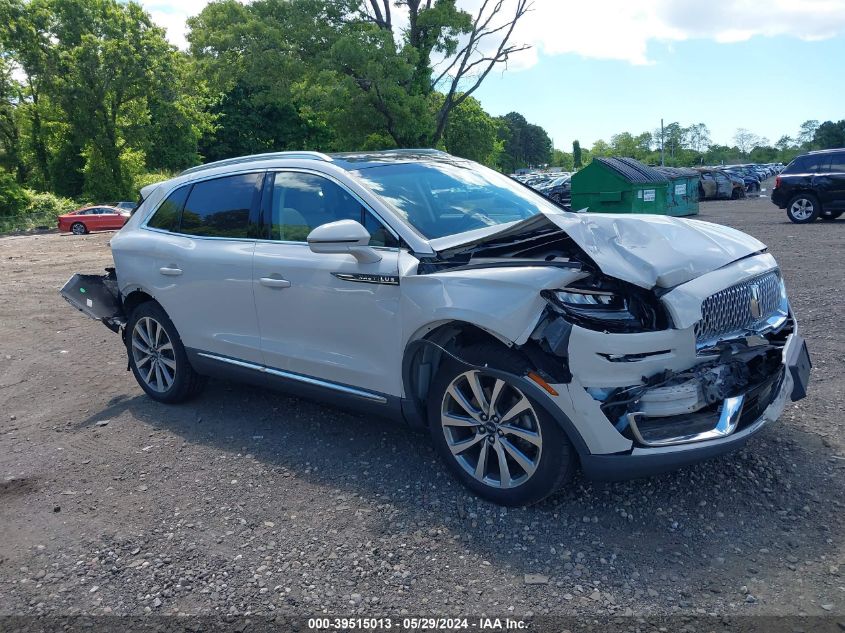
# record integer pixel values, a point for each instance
(662, 163)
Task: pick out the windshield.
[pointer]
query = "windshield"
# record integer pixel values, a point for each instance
(440, 199)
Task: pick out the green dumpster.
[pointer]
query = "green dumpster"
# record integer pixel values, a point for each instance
(619, 185)
(682, 191)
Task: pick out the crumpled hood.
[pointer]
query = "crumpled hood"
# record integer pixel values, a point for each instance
(645, 250)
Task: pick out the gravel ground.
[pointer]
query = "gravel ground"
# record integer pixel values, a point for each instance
(246, 501)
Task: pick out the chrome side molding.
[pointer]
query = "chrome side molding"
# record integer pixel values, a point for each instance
(352, 391)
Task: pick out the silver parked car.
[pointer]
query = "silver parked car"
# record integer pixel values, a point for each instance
(428, 289)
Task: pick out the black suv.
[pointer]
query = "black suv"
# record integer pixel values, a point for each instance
(812, 186)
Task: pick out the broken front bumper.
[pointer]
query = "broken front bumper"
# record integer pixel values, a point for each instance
(739, 419)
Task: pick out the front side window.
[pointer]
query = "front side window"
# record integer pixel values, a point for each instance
(166, 217)
(302, 202)
(221, 207)
(444, 198)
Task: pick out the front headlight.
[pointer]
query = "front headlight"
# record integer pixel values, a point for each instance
(608, 310)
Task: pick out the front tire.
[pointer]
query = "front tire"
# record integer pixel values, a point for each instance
(157, 357)
(803, 208)
(495, 439)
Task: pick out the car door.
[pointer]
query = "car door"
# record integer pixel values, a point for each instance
(724, 187)
(92, 219)
(326, 316)
(830, 182)
(708, 185)
(109, 218)
(202, 264)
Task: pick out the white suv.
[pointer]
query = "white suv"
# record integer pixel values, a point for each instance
(429, 289)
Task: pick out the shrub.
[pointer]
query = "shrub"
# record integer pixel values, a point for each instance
(39, 210)
(13, 197)
(150, 178)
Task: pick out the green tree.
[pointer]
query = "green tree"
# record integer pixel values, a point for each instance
(398, 79)
(562, 159)
(24, 31)
(10, 145)
(784, 143)
(576, 154)
(746, 140)
(101, 87)
(601, 148)
(525, 144)
(829, 135)
(277, 85)
(763, 154)
(806, 133)
(623, 144)
(697, 137)
(108, 55)
(471, 133)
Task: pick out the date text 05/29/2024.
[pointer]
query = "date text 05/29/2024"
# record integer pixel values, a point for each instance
(418, 624)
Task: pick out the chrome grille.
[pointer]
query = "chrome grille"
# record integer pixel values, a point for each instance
(730, 311)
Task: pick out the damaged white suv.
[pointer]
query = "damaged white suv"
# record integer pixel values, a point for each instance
(426, 288)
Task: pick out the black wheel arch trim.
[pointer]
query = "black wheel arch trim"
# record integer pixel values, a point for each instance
(414, 410)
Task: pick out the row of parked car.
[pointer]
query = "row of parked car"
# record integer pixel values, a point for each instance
(556, 186)
(734, 181)
(715, 183)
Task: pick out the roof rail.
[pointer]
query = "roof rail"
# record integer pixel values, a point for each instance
(258, 157)
(419, 150)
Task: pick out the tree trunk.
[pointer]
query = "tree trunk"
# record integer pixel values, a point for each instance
(38, 145)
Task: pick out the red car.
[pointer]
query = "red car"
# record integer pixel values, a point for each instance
(95, 218)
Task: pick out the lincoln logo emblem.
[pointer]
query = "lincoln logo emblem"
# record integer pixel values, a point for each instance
(754, 302)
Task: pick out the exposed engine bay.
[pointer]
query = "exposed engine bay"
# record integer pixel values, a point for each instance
(665, 404)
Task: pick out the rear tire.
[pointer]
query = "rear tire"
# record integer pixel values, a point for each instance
(508, 458)
(803, 208)
(157, 357)
(78, 228)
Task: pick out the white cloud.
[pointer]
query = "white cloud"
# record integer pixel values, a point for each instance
(618, 29)
(622, 29)
(172, 15)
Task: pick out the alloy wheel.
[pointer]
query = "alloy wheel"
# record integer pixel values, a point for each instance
(152, 351)
(491, 429)
(78, 229)
(802, 209)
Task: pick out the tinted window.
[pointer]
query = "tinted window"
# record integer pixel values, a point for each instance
(302, 202)
(837, 162)
(805, 164)
(220, 207)
(166, 217)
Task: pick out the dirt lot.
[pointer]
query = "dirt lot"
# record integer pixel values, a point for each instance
(248, 501)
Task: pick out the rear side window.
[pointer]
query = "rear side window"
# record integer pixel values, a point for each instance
(166, 218)
(806, 164)
(837, 163)
(221, 207)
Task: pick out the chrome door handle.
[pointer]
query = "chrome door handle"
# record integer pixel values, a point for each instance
(170, 272)
(274, 282)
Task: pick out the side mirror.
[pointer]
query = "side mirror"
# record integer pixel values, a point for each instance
(344, 236)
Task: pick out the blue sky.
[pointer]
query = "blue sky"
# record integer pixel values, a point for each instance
(598, 67)
(768, 85)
